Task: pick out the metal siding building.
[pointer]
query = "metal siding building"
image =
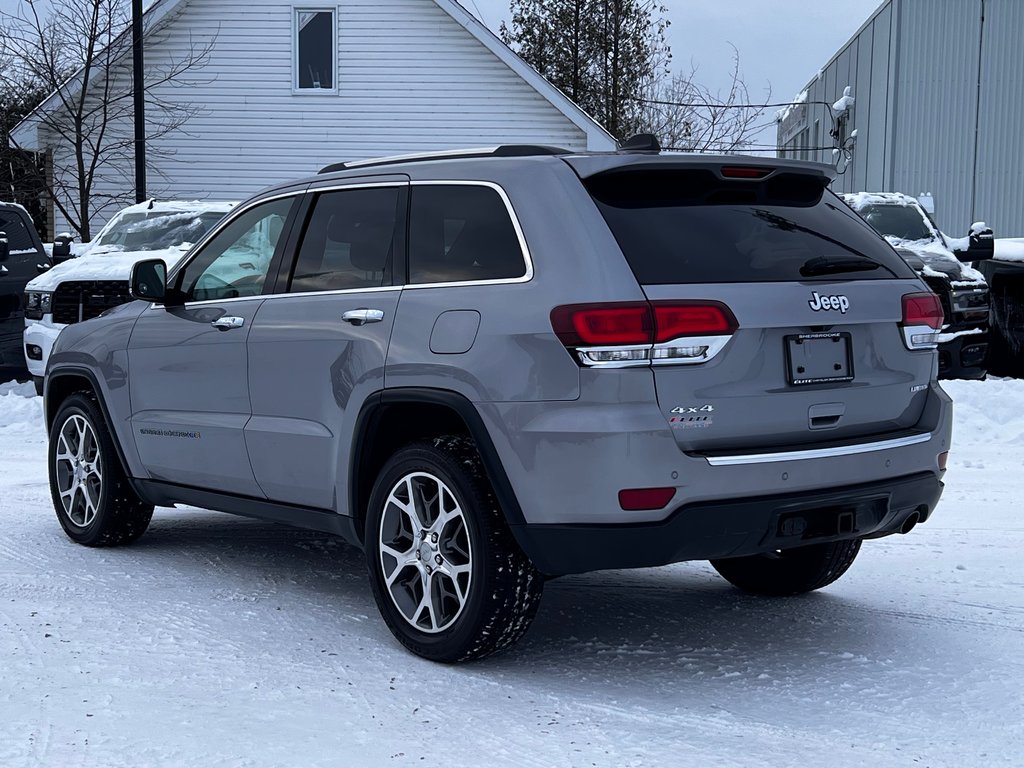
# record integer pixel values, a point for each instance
(939, 90)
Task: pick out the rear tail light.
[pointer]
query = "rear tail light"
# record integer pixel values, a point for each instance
(641, 333)
(922, 320)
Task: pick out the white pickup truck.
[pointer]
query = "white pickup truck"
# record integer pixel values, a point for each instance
(84, 287)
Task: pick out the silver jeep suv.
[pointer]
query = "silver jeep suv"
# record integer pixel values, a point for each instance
(498, 367)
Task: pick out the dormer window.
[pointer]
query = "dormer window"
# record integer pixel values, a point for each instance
(316, 49)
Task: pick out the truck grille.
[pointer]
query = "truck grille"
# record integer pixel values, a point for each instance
(85, 299)
(940, 287)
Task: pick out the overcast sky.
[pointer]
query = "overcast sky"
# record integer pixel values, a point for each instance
(781, 42)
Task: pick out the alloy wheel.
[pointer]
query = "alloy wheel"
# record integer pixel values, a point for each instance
(425, 552)
(79, 470)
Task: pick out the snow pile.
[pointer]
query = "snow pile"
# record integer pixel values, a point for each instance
(987, 413)
(845, 102)
(21, 412)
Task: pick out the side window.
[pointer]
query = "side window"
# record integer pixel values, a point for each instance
(315, 50)
(349, 241)
(19, 238)
(459, 233)
(235, 262)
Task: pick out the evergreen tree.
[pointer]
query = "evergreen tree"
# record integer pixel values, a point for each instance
(601, 53)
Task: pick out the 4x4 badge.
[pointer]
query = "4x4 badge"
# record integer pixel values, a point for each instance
(828, 303)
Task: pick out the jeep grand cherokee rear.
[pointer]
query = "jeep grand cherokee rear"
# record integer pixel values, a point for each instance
(499, 367)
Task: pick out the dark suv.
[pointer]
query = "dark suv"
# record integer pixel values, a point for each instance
(491, 369)
(21, 254)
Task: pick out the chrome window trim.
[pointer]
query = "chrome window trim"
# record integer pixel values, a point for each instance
(339, 186)
(336, 292)
(818, 453)
(523, 247)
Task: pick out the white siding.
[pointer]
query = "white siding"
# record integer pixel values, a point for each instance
(410, 79)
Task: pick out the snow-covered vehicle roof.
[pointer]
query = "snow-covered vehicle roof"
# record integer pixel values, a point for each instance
(860, 200)
(901, 220)
(150, 230)
(1010, 249)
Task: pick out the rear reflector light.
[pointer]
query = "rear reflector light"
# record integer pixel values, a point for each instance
(923, 318)
(744, 172)
(943, 459)
(639, 499)
(637, 333)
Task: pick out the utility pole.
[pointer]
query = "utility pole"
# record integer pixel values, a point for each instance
(139, 97)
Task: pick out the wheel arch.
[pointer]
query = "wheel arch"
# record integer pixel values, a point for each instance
(392, 418)
(63, 382)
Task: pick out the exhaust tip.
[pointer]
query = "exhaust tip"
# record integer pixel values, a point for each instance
(912, 520)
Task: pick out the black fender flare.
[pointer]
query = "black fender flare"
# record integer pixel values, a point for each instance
(373, 406)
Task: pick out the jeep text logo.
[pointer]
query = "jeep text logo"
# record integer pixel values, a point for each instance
(828, 303)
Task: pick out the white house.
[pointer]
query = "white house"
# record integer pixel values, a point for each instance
(291, 86)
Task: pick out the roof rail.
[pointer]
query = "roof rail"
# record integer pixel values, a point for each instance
(507, 150)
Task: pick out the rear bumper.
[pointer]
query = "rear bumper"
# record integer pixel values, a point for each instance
(735, 527)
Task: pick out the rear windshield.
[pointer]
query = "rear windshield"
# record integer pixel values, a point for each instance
(19, 238)
(689, 226)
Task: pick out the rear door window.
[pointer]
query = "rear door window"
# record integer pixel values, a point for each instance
(689, 226)
(349, 241)
(461, 233)
(19, 238)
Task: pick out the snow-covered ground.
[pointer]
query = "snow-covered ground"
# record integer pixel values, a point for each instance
(219, 641)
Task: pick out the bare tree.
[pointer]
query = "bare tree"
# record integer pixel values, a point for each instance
(80, 52)
(687, 115)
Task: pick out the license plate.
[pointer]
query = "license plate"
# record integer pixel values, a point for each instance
(819, 358)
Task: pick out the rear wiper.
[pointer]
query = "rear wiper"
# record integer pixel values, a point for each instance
(829, 265)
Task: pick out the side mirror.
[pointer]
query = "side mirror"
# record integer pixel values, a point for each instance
(5, 246)
(61, 248)
(149, 280)
(40, 268)
(981, 244)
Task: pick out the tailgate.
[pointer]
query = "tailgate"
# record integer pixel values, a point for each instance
(815, 351)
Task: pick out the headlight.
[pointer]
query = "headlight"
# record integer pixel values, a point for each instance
(37, 304)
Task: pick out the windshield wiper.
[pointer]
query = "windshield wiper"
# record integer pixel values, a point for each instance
(830, 265)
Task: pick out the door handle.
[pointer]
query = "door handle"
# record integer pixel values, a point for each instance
(363, 316)
(227, 323)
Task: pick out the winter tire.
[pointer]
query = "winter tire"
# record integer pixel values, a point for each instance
(448, 578)
(790, 571)
(94, 502)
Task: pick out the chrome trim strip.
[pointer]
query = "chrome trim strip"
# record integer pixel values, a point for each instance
(241, 209)
(817, 453)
